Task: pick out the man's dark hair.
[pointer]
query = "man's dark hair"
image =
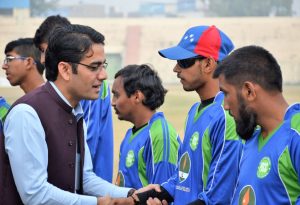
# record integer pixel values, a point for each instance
(69, 44)
(46, 28)
(146, 80)
(26, 48)
(251, 63)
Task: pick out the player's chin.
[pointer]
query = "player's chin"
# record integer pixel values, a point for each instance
(11, 81)
(120, 117)
(118, 114)
(187, 88)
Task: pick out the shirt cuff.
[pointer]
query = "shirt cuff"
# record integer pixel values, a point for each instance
(88, 200)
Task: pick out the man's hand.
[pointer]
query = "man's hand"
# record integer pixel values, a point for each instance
(104, 200)
(156, 201)
(107, 200)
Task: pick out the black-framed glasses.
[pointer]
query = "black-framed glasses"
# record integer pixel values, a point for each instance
(186, 63)
(8, 59)
(95, 66)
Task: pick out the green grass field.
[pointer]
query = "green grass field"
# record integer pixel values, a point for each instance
(175, 108)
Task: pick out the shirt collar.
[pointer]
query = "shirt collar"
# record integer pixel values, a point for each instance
(77, 111)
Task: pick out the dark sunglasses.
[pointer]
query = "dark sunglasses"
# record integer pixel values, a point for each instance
(186, 63)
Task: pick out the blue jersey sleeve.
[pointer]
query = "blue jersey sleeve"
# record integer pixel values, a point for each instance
(171, 183)
(98, 118)
(224, 166)
(295, 153)
(161, 152)
(295, 143)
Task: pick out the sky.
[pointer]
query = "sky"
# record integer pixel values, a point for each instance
(133, 5)
(127, 6)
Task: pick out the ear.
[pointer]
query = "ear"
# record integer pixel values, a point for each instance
(209, 65)
(29, 63)
(249, 91)
(64, 70)
(138, 96)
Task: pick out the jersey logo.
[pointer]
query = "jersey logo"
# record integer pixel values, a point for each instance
(263, 167)
(120, 179)
(194, 141)
(130, 158)
(184, 167)
(247, 196)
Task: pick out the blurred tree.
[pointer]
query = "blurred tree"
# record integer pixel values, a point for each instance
(250, 8)
(283, 7)
(40, 7)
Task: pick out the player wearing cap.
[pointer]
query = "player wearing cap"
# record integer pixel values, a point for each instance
(208, 165)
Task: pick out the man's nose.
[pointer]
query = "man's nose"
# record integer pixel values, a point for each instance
(102, 75)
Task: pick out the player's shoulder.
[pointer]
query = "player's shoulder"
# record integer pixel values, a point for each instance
(295, 122)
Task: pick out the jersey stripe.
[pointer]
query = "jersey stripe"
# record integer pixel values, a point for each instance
(142, 168)
(157, 141)
(105, 90)
(206, 153)
(288, 175)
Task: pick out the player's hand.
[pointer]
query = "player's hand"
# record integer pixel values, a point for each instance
(149, 187)
(156, 187)
(156, 201)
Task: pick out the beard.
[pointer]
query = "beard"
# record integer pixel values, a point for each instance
(246, 123)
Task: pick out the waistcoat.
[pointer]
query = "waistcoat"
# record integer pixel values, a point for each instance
(63, 133)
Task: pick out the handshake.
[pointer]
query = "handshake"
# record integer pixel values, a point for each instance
(152, 194)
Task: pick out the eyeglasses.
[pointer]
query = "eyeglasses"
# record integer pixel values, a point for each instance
(186, 63)
(95, 67)
(8, 59)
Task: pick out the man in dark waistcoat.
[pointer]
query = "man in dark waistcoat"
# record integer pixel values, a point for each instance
(44, 157)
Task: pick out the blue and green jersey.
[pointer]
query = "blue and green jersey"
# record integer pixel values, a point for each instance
(98, 118)
(270, 167)
(4, 107)
(149, 156)
(291, 114)
(208, 165)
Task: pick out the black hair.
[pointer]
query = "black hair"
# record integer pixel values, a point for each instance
(26, 48)
(69, 44)
(46, 28)
(145, 79)
(251, 63)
